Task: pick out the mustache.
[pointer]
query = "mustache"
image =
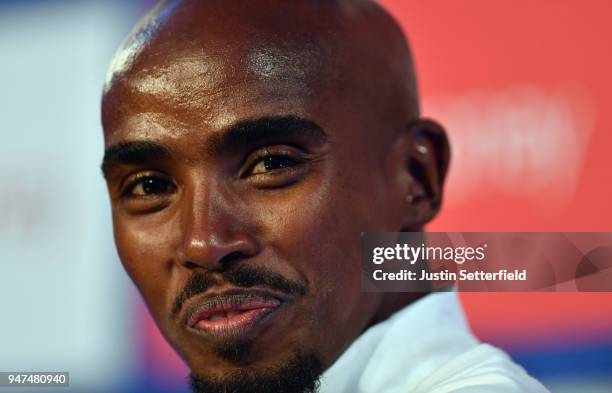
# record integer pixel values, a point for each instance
(239, 276)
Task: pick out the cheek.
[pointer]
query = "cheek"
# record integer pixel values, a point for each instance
(316, 227)
(142, 246)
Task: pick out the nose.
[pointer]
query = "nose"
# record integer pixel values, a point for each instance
(213, 233)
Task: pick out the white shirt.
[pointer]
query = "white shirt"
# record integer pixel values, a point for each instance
(426, 347)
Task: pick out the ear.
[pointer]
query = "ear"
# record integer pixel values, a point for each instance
(427, 156)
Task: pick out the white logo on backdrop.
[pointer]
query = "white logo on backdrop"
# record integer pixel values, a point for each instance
(521, 141)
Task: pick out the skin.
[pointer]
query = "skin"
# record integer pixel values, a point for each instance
(292, 204)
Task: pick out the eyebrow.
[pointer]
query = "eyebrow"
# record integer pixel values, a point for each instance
(265, 130)
(133, 153)
(240, 135)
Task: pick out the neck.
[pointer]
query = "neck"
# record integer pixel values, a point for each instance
(393, 302)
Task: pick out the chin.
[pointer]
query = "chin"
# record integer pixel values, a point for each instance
(295, 372)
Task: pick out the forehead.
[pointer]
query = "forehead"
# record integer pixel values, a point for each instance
(218, 76)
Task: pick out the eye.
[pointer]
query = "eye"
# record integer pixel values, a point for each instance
(272, 163)
(149, 186)
(275, 166)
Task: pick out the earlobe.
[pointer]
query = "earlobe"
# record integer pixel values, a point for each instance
(428, 157)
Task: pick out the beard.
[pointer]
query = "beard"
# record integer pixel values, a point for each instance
(298, 375)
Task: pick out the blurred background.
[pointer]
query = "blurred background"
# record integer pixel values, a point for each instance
(523, 87)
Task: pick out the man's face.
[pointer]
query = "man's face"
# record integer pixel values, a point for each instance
(241, 179)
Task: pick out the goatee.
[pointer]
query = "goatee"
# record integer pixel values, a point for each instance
(298, 375)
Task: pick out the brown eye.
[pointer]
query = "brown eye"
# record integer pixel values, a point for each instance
(272, 163)
(149, 186)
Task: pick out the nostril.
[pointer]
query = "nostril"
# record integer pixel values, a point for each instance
(220, 264)
(191, 265)
(231, 258)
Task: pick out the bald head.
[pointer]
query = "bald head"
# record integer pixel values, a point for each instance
(185, 53)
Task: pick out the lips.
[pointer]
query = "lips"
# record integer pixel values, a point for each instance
(231, 315)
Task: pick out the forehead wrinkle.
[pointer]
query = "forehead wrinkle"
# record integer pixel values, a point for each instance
(151, 126)
(184, 81)
(202, 80)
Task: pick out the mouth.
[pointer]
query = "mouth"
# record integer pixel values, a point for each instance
(231, 315)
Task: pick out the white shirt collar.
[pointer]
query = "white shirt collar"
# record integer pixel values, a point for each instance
(403, 349)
